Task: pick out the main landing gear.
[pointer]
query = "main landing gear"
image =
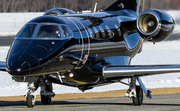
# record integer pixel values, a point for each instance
(135, 92)
(46, 93)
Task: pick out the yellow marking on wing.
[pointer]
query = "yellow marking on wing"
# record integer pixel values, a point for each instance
(78, 82)
(63, 71)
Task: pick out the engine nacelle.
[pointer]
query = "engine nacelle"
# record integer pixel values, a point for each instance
(155, 25)
(59, 11)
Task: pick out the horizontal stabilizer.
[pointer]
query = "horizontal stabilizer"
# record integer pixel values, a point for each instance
(130, 71)
(2, 66)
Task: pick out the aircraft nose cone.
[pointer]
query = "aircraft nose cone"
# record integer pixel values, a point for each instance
(18, 66)
(28, 56)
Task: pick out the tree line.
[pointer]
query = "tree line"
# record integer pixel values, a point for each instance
(75, 5)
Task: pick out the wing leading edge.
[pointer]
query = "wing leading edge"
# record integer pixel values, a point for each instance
(2, 66)
(130, 71)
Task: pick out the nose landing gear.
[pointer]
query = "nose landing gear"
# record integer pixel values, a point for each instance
(46, 93)
(30, 96)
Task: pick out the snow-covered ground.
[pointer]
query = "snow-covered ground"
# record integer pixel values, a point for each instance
(11, 23)
(161, 53)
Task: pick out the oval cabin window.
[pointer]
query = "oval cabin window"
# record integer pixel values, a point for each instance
(96, 34)
(118, 30)
(102, 33)
(108, 32)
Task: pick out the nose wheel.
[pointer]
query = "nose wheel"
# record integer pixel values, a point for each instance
(30, 101)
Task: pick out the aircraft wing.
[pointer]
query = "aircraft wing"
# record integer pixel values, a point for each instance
(2, 66)
(130, 71)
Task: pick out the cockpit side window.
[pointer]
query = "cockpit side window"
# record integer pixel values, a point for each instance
(66, 31)
(27, 31)
(49, 31)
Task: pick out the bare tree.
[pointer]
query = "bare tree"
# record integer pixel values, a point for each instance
(5, 5)
(75, 5)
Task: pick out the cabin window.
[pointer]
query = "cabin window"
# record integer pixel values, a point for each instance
(118, 30)
(109, 33)
(102, 32)
(96, 34)
(49, 31)
(90, 32)
(27, 31)
(66, 31)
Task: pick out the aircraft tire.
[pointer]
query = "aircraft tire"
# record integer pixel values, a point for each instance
(138, 100)
(46, 100)
(30, 101)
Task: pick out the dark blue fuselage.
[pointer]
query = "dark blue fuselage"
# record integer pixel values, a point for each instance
(99, 39)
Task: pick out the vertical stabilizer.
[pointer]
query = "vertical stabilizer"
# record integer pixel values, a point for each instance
(135, 5)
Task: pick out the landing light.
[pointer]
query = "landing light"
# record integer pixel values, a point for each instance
(19, 70)
(71, 75)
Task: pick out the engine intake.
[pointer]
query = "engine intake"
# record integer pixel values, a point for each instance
(58, 11)
(155, 25)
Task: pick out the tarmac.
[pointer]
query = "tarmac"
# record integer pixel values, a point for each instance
(158, 103)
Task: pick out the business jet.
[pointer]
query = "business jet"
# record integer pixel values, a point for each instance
(88, 50)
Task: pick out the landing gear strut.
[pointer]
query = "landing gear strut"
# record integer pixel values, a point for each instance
(135, 92)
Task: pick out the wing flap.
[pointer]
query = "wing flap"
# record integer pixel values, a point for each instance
(130, 71)
(2, 66)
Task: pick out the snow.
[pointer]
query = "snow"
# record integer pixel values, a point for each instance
(11, 23)
(161, 53)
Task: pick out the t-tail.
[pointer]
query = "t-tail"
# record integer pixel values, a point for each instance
(135, 5)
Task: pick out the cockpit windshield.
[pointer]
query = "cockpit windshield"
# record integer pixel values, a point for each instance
(27, 31)
(49, 31)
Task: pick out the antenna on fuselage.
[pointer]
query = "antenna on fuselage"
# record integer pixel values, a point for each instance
(95, 8)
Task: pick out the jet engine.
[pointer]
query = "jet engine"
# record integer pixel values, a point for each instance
(155, 25)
